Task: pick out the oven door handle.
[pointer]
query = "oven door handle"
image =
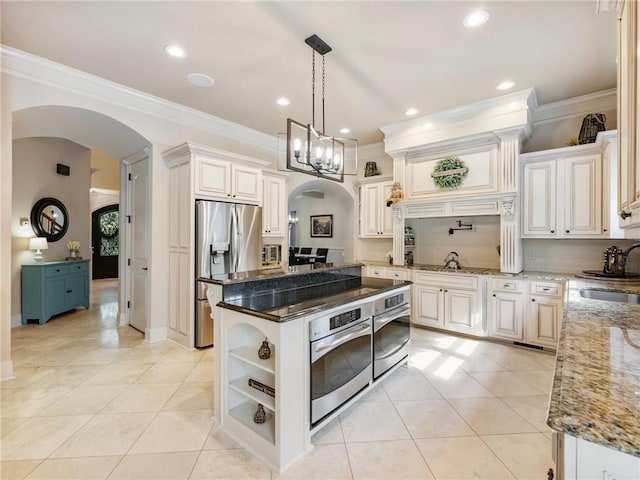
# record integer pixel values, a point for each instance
(322, 347)
(384, 319)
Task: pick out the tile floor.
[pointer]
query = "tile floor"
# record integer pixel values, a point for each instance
(92, 400)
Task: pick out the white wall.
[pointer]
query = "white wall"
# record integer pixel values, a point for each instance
(35, 177)
(106, 170)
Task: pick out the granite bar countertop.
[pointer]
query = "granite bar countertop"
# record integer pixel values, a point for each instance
(287, 305)
(596, 387)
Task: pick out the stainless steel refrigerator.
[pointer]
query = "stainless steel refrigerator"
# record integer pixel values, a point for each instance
(228, 240)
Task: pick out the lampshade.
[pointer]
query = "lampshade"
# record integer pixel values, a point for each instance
(38, 243)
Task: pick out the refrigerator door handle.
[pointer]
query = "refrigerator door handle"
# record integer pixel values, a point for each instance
(235, 258)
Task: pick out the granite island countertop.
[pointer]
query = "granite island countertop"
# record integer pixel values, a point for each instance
(596, 387)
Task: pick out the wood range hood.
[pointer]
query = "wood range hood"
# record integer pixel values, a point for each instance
(487, 136)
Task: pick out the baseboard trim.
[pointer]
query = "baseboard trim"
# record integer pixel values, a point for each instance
(6, 370)
(153, 335)
(123, 319)
(16, 320)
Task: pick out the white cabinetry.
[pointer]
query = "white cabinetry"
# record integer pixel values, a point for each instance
(450, 301)
(388, 272)
(200, 172)
(222, 179)
(562, 196)
(506, 309)
(587, 460)
(376, 219)
(274, 205)
(544, 313)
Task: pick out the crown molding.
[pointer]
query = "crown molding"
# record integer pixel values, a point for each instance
(575, 107)
(24, 65)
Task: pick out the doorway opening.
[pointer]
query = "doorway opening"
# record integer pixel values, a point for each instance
(105, 243)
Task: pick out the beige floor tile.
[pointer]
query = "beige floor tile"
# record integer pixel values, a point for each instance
(528, 455)
(118, 374)
(479, 362)
(141, 398)
(105, 434)
(370, 421)
(462, 458)
(17, 469)
(167, 372)
(38, 437)
(191, 396)
(458, 385)
(7, 392)
(70, 375)
(541, 379)
(407, 385)
(203, 372)
(84, 399)
(218, 440)
(431, 419)
(398, 459)
(516, 359)
(322, 462)
(157, 466)
(30, 401)
(330, 433)
(228, 465)
(488, 416)
(7, 424)
(503, 384)
(175, 432)
(100, 356)
(88, 468)
(26, 376)
(533, 409)
(178, 354)
(378, 394)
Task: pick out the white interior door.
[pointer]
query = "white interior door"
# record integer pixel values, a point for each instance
(138, 238)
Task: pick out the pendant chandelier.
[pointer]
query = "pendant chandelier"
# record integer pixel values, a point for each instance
(310, 150)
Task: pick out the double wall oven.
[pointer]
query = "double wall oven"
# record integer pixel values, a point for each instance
(355, 345)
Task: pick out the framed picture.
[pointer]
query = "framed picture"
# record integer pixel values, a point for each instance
(322, 225)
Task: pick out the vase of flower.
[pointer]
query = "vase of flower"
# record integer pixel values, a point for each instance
(73, 253)
(74, 250)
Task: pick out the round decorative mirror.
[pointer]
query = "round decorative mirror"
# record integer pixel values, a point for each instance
(49, 219)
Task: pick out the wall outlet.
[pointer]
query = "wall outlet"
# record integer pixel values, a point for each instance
(531, 255)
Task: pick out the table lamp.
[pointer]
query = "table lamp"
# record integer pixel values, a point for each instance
(37, 244)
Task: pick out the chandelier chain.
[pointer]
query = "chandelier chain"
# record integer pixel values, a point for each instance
(313, 87)
(323, 127)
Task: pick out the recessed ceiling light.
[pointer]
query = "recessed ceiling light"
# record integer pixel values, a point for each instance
(200, 79)
(506, 85)
(283, 101)
(475, 19)
(345, 130)
(410, 111)
(175, 51)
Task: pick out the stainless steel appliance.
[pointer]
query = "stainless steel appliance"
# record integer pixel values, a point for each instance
(228, 240)
(340, 357)
(391, 331)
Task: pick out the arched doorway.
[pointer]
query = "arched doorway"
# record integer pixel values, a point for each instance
(105, 242)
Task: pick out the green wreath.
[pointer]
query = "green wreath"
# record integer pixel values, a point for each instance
(449, 172)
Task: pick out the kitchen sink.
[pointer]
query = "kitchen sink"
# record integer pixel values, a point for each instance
(610, 296)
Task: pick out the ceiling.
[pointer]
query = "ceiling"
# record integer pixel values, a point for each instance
(387, 56)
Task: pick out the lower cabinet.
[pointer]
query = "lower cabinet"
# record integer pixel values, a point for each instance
(506, 309)
(544, 315)
(581, 459)
(53, 287)
(449, 301)
(388, 272)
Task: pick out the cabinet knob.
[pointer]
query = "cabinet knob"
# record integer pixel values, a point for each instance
(533, 299)
(624, 215)
(494, 294)
(566, 231)
(57, 269)
(228, 194)
(69, 291)
(553, 231)
(441, 290)
(445, 291)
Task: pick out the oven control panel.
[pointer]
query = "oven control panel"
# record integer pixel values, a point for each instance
(341, 319)
(345, 318)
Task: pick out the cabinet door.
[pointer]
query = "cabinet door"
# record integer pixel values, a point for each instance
(539, 204)
(274, 210)
(369, 217)
(379, 272)
(213, 178)
(55, 295)
(506, 315)
(462, 312)
(543, 321)
(583, 195)
(76, 288)
(246, 184)
(429, 306)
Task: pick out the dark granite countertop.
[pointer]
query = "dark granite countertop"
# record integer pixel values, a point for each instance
(596, 387)
(286, 305)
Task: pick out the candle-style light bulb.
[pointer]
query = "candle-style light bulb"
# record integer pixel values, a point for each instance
(297, 143)
(336, 162)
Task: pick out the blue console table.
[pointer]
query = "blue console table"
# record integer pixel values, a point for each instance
(53, 287)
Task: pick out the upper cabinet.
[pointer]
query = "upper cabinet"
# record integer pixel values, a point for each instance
(566, 192)
(628, 125)
(220, 179)
(376, 219)
(274, 204)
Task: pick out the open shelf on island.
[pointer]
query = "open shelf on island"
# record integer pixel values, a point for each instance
(244, 413)
(241, 386)
(250, 355)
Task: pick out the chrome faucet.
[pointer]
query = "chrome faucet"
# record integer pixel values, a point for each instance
(452, 261)
(611, 260)
(625, 255)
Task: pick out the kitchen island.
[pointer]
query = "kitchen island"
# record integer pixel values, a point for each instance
(595, 398)
(274, 309)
